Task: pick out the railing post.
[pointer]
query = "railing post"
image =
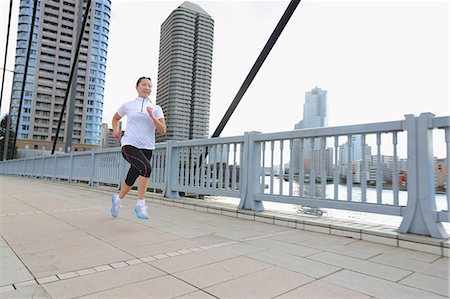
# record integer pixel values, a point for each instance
(42, 167)
(71, 168)
(121, 171)
(251, 174)
(171, 175)
(92, 183)
(420, 215)
(56, 168)
(32, 169)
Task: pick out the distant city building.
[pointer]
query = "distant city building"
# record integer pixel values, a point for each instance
(315, 110)
(356, 154)
(383, 167)
(440, 170)
(184, 72)
(315, 115)
(54, 41)
(323, 160)
(108, 140)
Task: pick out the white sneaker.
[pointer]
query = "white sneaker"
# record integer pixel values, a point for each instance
(115, 205)
(141, 211)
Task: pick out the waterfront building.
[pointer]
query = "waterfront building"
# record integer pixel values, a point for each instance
(184, 72)
(54, 42)
(315, 115)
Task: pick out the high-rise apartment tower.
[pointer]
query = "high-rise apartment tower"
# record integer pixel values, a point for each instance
(54, 42)
(184, 72)
(315, 115)
(315, 110)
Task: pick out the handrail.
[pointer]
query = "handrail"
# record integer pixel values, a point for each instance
(305, 167)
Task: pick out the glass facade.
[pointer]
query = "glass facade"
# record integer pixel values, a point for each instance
(54, 42)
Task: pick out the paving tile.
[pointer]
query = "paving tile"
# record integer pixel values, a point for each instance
(6, 288)
(67, 275)
(340, 245)
(22, 284)
(119, 265)
(297, 264)
(362, 266)
(133, 262)
(439, 268)
(192, 260)
(85, 254)
(322, 290)
(420, 247)
(428, 283)
(12, 270)
(173, 253)
(376, 287)
(161, 247)
(100, 281)
(266, 283)
(294, 249)
(374, 249)
(31, 291)
(160, 287)
(47, 279)
(379, 239)
(221, 271)
(103, 268)
(86, 271)
(5, 251)
(196, 295)
(161, 256)
(56, 240)
(147, 259)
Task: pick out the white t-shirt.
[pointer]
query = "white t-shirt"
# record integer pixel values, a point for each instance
(140, 131)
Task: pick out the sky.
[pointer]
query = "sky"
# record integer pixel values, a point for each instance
(378, 60)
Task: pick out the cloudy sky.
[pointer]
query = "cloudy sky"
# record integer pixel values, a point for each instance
(378, 60)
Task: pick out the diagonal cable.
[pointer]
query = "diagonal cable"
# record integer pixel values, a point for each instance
(258, 63)
(6, 52)
(30, 41)
(72, 71)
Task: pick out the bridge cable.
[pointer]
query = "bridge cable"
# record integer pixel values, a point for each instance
(30, 42)
(259, 62)
(72, 71)
(6, 52)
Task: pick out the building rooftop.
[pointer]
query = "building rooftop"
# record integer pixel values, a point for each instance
(193, 7)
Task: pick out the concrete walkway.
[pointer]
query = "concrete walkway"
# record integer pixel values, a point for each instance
(59, 241)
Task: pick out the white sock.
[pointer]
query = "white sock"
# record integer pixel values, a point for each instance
(117, 198)
(140, 202)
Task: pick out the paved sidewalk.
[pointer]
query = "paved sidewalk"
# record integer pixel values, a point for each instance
(59, 241)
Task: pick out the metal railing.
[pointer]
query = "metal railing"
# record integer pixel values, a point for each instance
(319, 167)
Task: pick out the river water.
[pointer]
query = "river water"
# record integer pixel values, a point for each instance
(371, 195)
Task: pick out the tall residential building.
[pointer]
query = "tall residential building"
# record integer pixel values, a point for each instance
(54, 42)
(184, 72)
(315, 110)
(315, 115)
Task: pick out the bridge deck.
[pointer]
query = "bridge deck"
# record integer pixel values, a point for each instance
(59, 241)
